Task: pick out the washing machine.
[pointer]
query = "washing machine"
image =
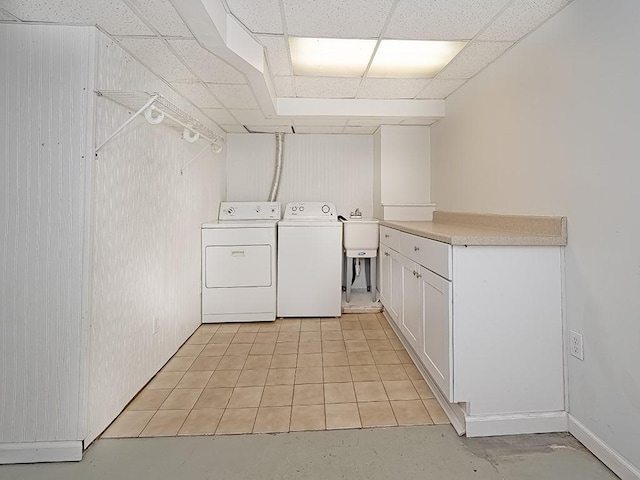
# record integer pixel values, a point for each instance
(309, 261)
(239, 253)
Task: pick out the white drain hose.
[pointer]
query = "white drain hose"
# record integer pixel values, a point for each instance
(275, 186)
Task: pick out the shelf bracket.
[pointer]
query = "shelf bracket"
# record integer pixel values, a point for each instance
(129, 120)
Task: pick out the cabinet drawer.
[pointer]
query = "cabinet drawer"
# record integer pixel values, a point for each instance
(390, 237)
(436, 256)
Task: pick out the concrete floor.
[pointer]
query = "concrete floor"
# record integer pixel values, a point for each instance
(425, 452)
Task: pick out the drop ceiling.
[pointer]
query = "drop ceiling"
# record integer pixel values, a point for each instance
(241, 92)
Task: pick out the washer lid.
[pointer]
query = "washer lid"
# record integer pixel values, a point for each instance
(240, 224)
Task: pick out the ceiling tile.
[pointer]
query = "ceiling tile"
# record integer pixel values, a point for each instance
(234, 128)
(112, 15)
(259, 17)
(441, 19)
(326, 87)
(315, 121)
(163, 17)
(284, 86)
(256, 117)
(360, 130)
(336, 18)
(220, 116)
(374, 121)
(234, 96)
(198, 94)
(474, 58)
(6, 17)
(391, 87)
(153, 53)
(269, 128)
(208, 67)
(440, 88)
(277, 54)
(520, 18)
(318, 129)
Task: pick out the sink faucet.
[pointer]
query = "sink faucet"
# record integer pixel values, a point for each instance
(356, 214)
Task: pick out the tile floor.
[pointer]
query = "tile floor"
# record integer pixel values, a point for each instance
(287, 375)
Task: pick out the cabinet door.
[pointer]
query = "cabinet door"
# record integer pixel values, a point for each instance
(412, 303)
(395, 287)
(436, 348)
(384, 260)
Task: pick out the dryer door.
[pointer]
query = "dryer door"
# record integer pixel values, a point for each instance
(228, 266)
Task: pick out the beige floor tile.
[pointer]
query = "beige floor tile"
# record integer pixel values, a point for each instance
(149, 399)
(281, 376)
(310, 325)
(339, 393)
(342, 415)
(329, 324)
(310, 360)
(239, 349)
(181, 399)
(308, 394)
(243, 397)
(208, 328)
(380, 345)
(269, 327)
(351, 325)
(199, 338)
(392, 372)
(223, 378)
(290, 325)
(190, 350)
(385, 358)
(202, 422)
(129, 424)
(354, 346)
(411, 412)
(332, 335)
(178, 364)
(376, 414)
(370, 324)
(165, 380)
(404, 357)
(195, 379)
(288, 337)
(333, 346)
(310, 347)
(222, 338)
(435, 411)
(364, 373)
(412, 372)
(266, 338)
(353, 335)
(249, 328)
(244, 337)
(334, 359)
(214, 398)
(307, 417)
(306, 337)
(370, 392)
(262, 348)
(203, 363)
(367, 317)
(377, 334)
(277, 396)
(360, 358)
(214, 350)
(257, 362)
(309, 375)
(284, 361)
(396, 344)
(236, 421)
(400, 390)
(252, 378)
(229, 328)
(337, 374)
(284, 348)
(424, 392)
(165, 423)
(232, 362)
(272, 420)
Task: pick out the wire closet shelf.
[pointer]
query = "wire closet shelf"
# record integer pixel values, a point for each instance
(157, 109)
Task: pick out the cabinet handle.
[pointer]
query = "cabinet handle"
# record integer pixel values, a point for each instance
(418, 275)
(386, 254)
(386, 235)
(415, 273)
(415, 249)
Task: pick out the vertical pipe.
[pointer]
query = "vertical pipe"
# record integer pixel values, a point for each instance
(275, 186)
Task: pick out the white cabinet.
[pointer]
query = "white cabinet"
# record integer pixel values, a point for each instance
(390, 284)
(411, 302)
(384, 267)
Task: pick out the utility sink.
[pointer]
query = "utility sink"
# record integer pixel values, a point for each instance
(360, 237)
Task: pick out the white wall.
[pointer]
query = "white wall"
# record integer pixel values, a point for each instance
(330, 168)
(44, 74)
(552, 128)
(146, 239)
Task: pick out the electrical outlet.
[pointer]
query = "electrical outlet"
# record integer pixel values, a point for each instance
(156, 324)
(576, 348)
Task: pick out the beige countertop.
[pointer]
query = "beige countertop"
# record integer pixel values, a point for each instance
(487, 229)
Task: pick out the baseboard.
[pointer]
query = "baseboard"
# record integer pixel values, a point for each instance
(39, 452)
(607, 455)
(513, 424)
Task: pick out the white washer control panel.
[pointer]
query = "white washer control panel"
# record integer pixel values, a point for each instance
(310, 211)
(249, 211)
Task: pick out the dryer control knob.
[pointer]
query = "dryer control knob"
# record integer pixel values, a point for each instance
(325, 208)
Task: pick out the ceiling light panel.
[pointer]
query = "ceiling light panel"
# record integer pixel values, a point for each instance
(115, 17)
(277, 54)
(441, 19)
(153, 53)
(259, 17)
(163, 17)
(520, 18)
(391, 87)
(208, 67)
(330, 56)
(440, 88)
(326, 87)
(474, 58)
(198, 94)
(336, 18)
(412, 58)
(234, 96)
